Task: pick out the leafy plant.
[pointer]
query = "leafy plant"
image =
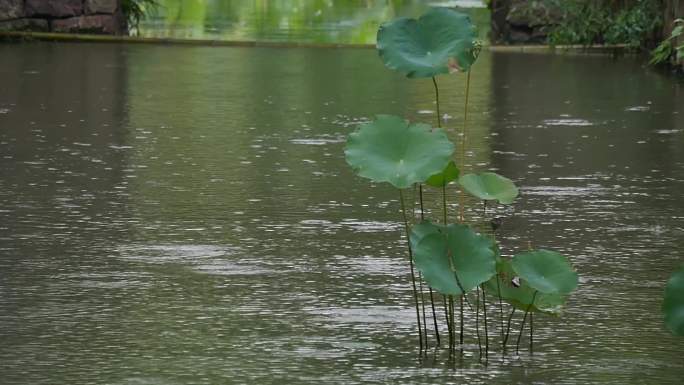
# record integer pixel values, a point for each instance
(453, 259)
(596, 22)
(135, 10)
(673, 304)
(666, 49)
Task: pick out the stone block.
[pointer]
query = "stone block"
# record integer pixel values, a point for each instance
(100, 6)
(11, 9)
(36, 25)
(54, 8)
(97, 24)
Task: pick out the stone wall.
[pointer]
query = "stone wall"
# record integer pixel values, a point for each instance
(65, 16)
(522, 21)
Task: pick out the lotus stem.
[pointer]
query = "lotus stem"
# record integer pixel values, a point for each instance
(413, 273)
(498, 292)
(484, 312)
(477, 319)
(464, 141)
(422, 306)
(432, 298)
(451, 306)
(531, 333)
(439, 116)
(448, 321)
(461, 310)
(522, 327)
(508, 329)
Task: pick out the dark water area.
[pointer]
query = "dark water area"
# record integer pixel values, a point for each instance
(176, 215)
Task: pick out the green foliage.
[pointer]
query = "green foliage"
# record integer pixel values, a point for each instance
(489, 186)
(389, 149)
(595, 22)
(545, 271)
(673, 304)
(135, 10)
(519, 294)
(448, 175)
(441, 41)
(666, 49)
(453, 259)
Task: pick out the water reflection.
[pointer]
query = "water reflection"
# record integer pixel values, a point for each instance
(310, 21)
(184, 214)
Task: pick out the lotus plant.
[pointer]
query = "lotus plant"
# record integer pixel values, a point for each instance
(453, 258)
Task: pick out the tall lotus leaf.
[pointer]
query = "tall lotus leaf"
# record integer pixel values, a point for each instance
(545, 271)
(439, 42)
(489, 186)
(521, 294)
(389, 149)
(453, 259)
(419, 231)
(673, 306)
(446, 176)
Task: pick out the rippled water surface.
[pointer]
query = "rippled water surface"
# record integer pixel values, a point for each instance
(184, 215)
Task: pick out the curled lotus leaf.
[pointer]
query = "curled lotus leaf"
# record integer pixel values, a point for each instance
(673, 305)
(440, 41)
(489, 186)
(389, 149)
(446, 176)
(519, 294)
(546, 271)
(453, 259)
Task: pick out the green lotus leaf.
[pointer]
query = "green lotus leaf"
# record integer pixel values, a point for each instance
(389, 149)
(419, 231)
(441, 41)
(446, 176)
(489, 186)
(545, 271)
(453, 259)
(673, 305)
(521, 294)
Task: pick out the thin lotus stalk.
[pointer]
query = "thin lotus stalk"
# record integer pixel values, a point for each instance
(413, 273)
(531, 333)
(477, 320)
(432, 297)
(464, 141)
(501, 312)
(439, 116)
(484, 312)
(522, 326)
(462, 319)
(434, 316)
(508, 330)
(448, 321)
(451, 310)
(422, 306)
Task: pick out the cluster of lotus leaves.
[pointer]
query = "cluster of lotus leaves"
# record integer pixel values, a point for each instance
(489, 186)
(673, 305)
(389, 149)
(441, 41)
(454, 259)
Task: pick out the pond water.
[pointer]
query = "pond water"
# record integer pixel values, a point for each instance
(185, 215)
(303, 21)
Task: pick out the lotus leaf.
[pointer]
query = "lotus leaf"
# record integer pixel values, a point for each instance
(453, 259)
(441, 41)
(545, 271)
(521, 294)
(673, 305)
(446, 176)
(489, 186)
(389, 149)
